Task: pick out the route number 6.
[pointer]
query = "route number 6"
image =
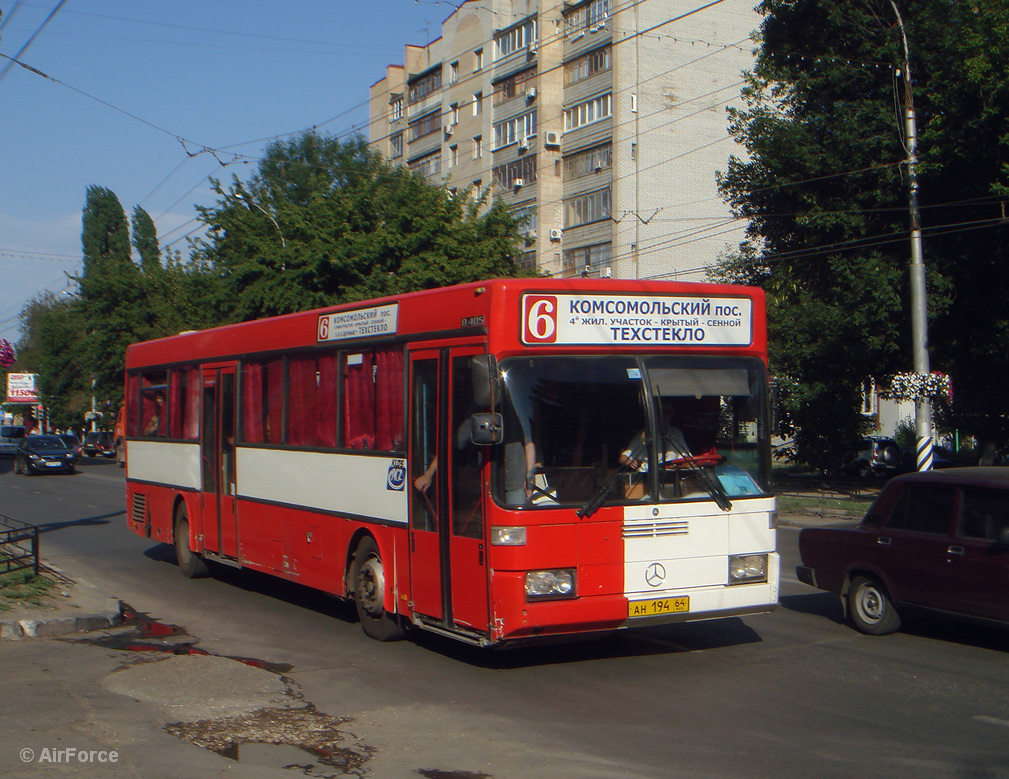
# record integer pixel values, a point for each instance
(539, 319)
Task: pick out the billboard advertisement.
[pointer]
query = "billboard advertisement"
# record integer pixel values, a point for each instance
(21, 388)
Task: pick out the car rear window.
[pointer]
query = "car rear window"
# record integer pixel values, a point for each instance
(925, 508)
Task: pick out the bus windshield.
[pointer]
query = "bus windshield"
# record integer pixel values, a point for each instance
(586, 431)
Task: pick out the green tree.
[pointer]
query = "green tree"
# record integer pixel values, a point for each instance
(325, 221)
(52, 328)
(823, 189)
(145, 241)
(111, 291)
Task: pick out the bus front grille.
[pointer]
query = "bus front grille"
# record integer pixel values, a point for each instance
(656, 528)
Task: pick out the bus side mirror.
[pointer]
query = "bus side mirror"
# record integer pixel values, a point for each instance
(486, 429)
(486, 389)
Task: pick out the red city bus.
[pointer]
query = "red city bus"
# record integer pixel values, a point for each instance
(499, 462)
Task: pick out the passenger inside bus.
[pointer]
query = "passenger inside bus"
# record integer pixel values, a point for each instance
(153, 426)
(674, 445)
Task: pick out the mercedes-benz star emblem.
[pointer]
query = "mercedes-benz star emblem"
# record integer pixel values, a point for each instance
(655, 574)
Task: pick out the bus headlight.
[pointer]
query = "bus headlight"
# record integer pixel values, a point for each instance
(747, 568)
(502, 535)
(544, 585)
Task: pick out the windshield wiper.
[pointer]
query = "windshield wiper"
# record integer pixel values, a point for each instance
(712, 485)
(597, 500)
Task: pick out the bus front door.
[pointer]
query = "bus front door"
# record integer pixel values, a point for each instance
(448, 559)
(217, 462)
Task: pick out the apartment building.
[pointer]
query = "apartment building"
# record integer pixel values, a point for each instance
(600, 122)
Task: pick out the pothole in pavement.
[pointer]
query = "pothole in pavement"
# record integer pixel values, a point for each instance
(302, 739)
(248, 717)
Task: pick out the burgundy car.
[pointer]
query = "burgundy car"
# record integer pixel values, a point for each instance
(937, 541)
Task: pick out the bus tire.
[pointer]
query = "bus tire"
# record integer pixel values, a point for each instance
(871, 609)
(192, 565)
(368, 583)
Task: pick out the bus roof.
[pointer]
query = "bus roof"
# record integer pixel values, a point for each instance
(465, 309)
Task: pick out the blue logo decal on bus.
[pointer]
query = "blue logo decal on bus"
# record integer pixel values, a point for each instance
(396, 478)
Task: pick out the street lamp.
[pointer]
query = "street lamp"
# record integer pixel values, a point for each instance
(919, 298)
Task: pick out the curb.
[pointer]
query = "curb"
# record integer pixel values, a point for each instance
(91, 611)
(47, 627)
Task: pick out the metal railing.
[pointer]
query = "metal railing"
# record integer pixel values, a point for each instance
(19, 546)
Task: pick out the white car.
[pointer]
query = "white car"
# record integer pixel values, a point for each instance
(10, 437)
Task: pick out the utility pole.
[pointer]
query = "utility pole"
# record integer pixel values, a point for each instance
(919, 298)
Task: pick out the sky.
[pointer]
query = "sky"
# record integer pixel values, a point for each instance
(151, 99)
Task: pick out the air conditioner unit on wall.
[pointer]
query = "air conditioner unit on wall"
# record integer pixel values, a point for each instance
(531, 93)
(523, 143)
(556, 233)
(519, 183)
(552, 140)
(449, 128)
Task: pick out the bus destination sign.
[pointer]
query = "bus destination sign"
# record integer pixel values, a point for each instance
(360, 323)
(636, 320)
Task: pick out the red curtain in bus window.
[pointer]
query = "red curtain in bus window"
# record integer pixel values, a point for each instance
(359, 402)
(191, 422)
(302, 398)
(273, 424)
(132, 411)
(389, 399)
(328, 372)
(252, 403)
(176, 402)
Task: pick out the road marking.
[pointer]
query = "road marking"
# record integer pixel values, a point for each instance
(991, 720)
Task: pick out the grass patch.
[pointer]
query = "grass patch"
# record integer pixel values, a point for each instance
(843, 508)
(22, 588)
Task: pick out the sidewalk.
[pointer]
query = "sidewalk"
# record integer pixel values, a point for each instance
(89, 693)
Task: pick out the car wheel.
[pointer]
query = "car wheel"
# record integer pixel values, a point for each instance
(870, 608)
(368, 582)
(192, 565)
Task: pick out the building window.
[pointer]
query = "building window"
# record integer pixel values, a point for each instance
(477, 103)
(396, 145)
(521, 37)
(587, 260)
(427, 124)
(586, 67)
(453, 114)
(589, 161)
(478, 60)
(453, 155)
(477, 147)
(523, 169)
(528, 220)
(396, 109)
(478, 188)
(424, 86)
(453, 72)
(515, 84)
(588, 112)
(429, 165)
(593, 14)
(590, 207)
(514, 130)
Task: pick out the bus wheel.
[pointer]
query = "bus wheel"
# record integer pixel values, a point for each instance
(368, 582)
(190, 563)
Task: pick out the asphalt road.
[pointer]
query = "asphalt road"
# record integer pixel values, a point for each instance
(791, 693)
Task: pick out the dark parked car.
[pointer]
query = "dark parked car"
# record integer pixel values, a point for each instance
(937, 540)
(73, 444)
(101, 443)
(40, 453)
(874, 456)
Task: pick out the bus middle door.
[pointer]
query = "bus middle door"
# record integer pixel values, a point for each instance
(217, 462)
